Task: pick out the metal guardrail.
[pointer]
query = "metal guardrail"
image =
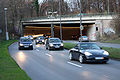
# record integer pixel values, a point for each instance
(71, 16)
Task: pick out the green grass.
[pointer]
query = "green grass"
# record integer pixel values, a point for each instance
(117, 41)
(114, 52)
(9, 70)
(69, 45)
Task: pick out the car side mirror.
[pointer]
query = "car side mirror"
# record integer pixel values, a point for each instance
(62, 41)
(100, 47)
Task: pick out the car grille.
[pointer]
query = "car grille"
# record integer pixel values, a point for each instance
(56, 44)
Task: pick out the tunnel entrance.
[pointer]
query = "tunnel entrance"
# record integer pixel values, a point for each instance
(69, 31)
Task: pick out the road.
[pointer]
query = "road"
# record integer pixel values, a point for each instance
(98, 43)
(41, 64)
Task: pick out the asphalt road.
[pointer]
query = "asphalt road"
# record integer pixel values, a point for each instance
(41, 64)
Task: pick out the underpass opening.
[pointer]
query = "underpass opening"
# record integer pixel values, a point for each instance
(69, 31)
(72, 31)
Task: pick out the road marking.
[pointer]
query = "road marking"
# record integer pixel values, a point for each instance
(37, 49)
(74, 64)
(48, 55)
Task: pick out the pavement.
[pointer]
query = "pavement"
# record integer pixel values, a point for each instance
(42, 64)
(98, 43)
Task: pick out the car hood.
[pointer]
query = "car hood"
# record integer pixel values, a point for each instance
(40, 39)
(26, 42)
(94, 52)
(56, 42)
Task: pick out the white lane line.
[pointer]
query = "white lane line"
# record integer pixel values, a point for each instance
(74, 64)
(48, 55)
(37, 49)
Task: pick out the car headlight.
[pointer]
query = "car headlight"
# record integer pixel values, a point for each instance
(21, 44)
(37, 40)
(87, 54)
(62, 44)
(30, 44)
(42, 40)
(106, 53)
(51, 44)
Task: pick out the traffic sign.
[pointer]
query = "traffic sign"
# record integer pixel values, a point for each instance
(81, 27)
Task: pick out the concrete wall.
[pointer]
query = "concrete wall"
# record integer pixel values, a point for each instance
(102, 25)
(91, 32)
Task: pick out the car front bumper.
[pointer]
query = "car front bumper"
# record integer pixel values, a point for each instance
(40, 42)
(53, 47)
(97, 59)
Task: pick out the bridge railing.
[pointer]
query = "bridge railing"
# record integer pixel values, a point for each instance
(71, 16)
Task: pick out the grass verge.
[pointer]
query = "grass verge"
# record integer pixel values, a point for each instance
(114, 52)
(69, 45)
(9, 70)
(117, 41)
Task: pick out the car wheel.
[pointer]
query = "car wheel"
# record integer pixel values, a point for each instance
(70, 56)
(81, 59)
(48, 48)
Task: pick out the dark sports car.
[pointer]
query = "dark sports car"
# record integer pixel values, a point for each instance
(88, 52)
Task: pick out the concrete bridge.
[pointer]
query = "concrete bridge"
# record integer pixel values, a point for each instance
(94, 25)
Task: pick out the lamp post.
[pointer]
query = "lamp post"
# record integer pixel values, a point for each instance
(108, 7)
(81, 27)
(7, 37)
(60, 19)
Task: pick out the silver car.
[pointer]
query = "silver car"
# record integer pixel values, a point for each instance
(83, 39)
(54, 43)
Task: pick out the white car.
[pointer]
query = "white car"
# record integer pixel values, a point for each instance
(83, 39)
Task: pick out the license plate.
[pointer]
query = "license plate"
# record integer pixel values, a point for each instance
(99, 57)
(56, 46)
(26, 46)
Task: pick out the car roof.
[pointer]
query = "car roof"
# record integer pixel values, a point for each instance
(53, 38)
(87, 42)
(24, 38)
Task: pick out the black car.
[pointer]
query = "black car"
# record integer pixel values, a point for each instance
(25, 43)
(40, 40)
(54, 43)
(88, 52)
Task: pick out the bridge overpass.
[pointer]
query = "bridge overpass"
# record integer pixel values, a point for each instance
(94, 25)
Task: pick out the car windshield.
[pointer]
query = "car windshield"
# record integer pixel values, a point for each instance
(25, 40)
(84, 36)
(84, 46)
(41, 37)
(54, 40)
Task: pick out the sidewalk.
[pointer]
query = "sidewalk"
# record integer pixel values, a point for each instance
(98, 43)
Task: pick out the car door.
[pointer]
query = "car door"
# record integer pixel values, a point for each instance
(76, 52)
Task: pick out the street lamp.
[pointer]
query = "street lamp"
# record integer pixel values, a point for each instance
(60, 19)
(81, 27)
(108, 7)
(7, 37)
